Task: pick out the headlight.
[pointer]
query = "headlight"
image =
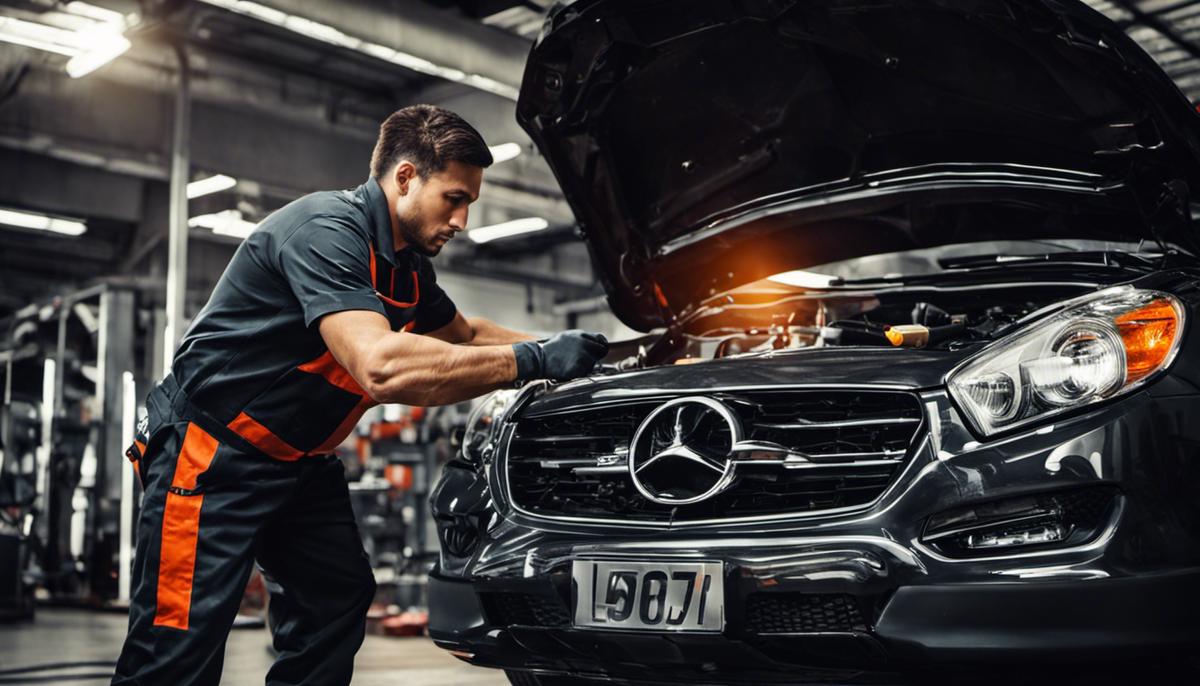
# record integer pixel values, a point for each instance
(1094, 348)
(484, 424)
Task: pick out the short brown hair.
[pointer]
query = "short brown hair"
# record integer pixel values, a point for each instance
(430, 137)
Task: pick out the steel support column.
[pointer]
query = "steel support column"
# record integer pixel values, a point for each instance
(178, 214)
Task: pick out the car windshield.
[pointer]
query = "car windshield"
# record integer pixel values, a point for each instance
(935, 260)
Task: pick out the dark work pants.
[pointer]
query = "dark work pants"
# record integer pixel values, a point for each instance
(209, 511)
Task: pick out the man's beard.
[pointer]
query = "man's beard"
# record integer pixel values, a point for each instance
(410, 234)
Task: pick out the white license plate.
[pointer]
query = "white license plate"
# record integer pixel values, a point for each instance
(649, 596)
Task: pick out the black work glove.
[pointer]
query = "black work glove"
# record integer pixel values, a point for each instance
(566, 355)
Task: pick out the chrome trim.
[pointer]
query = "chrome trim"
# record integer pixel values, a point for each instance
(569, 437)
(781, 453)
(786, 464)
(609, 397)
(809, 424)
(602, 469)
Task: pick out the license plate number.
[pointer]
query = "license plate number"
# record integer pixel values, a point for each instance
(649, 596)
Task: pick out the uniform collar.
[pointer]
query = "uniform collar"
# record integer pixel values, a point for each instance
(381, 220)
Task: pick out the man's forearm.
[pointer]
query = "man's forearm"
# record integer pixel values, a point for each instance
(487, 332)
(418, 370)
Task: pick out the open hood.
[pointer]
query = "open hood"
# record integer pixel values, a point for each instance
(704, 144)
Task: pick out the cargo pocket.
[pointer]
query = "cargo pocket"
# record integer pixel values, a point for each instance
(181, 529)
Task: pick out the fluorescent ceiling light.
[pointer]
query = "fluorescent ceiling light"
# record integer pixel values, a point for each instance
(89, 48)
(802, 279)
(504, 152)
(224, 223)
(213, 184)
(40, 36)
(515, 227)
(333, 36)
(41, 222)
(104, 46)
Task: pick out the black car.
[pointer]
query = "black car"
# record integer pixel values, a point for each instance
(920, 382)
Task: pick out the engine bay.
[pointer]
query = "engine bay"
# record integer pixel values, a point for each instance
(756, 320)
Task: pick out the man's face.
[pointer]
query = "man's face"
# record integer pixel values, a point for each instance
(431, 211)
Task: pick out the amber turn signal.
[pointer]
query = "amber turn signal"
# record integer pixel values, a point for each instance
(1149, 335)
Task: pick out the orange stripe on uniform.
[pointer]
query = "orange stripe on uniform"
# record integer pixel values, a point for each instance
(262, 438)
(339, 434)
(333, 372)
(181, 530)
(327, 367)
(397, 303)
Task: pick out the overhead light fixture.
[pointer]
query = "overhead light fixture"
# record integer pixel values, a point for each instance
(504, 152)
(803, 279)
(515, 227)
(34, 35)
(103, 46)
(212, 184)
(42, 222)
(333, 36)
(224, 223)
(97, 43)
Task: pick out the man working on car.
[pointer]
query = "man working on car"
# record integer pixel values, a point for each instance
(329, 307)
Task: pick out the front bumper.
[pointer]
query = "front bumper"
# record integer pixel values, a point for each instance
(872, 596)
(918, 625)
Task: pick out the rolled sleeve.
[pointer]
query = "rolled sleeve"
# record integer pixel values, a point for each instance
(326, 262)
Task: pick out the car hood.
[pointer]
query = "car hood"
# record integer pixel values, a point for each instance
(877, 368)
(704, 144)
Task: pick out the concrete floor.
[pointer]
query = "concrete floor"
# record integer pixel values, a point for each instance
(78, 635)
(60, 635)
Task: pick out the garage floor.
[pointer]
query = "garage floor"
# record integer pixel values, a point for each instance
(77, 635)
(61, 635)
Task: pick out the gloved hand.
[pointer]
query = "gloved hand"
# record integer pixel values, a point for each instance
(566, 355)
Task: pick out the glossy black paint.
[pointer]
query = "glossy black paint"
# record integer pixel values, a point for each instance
(1129, 591)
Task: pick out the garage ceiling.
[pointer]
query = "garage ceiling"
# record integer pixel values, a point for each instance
(1167, 29)
(287, 98)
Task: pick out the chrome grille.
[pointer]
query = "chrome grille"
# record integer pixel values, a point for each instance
(820, 450)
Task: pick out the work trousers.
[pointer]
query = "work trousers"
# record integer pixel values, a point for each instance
(209, 511)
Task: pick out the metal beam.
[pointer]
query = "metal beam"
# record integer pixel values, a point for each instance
(177, 224)
(441, 38)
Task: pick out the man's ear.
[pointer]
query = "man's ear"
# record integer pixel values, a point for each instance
(403, 175)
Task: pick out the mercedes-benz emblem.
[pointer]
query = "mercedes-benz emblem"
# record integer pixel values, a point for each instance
(682, 452)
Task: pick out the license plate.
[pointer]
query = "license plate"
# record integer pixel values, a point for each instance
(649, 596)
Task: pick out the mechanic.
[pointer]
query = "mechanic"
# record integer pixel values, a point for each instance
(329, 307)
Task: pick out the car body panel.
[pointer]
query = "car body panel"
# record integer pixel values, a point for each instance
(788, 134)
